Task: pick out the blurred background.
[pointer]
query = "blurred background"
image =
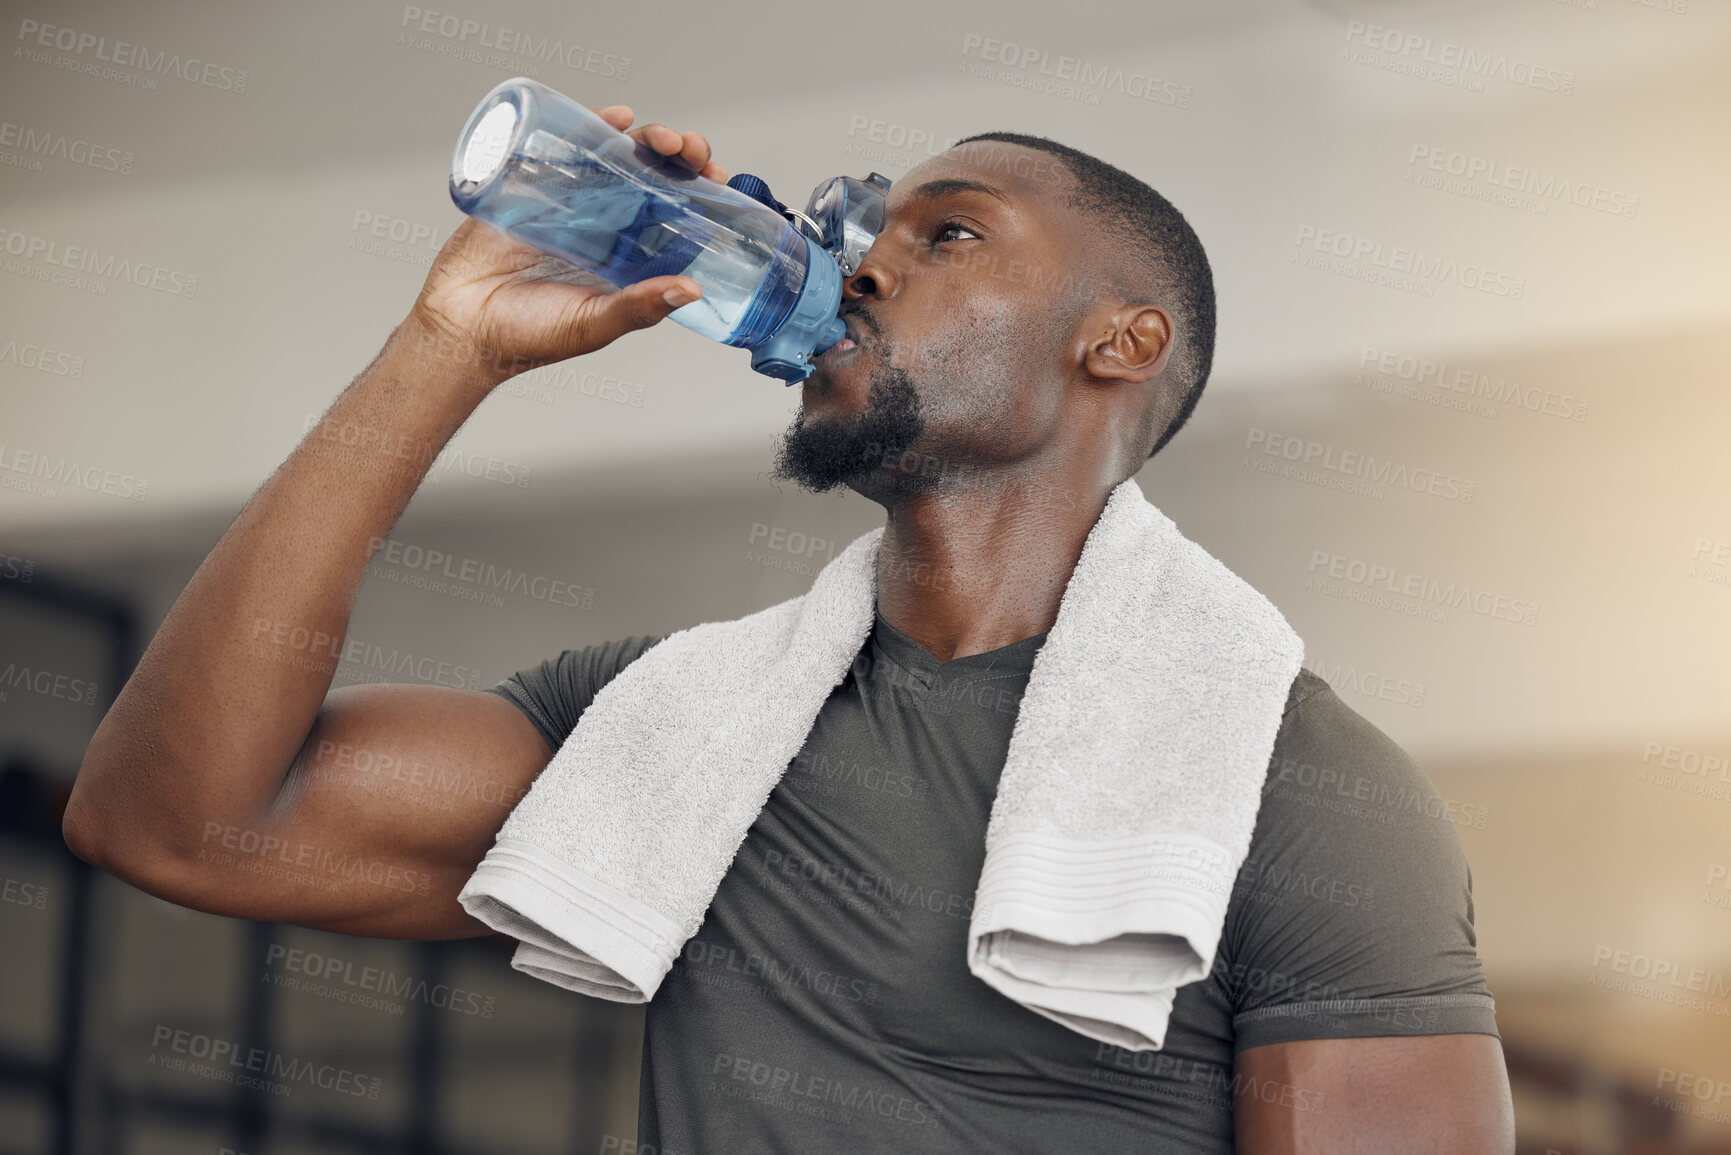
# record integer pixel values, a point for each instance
(1475, 333)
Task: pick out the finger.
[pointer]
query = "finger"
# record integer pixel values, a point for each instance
(714, 172)
(695, 151)
(674, 292)
(604, 319)
(619, 116)
(659, 137)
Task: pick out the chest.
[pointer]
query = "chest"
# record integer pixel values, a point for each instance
(837, 940)
(862, 869)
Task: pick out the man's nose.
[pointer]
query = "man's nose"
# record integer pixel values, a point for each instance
(873, 278)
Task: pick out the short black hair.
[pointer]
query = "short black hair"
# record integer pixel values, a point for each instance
(1166, 257)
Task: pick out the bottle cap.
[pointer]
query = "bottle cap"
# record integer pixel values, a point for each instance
(485, 151)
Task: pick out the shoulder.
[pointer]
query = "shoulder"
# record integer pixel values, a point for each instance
(601, 662)
(1329, 760)
(554, 693)
(1352, 913)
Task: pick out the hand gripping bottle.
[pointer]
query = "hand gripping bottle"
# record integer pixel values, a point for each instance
(551, 174)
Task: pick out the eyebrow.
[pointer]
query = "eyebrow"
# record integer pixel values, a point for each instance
(933, 189)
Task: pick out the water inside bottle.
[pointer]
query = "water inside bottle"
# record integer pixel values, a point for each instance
(591, 209)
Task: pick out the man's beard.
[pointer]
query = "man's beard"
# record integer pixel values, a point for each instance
(827, 453)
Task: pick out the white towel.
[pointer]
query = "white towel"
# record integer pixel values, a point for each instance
(1123, 814)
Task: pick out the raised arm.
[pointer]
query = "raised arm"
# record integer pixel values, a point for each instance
(228, 776)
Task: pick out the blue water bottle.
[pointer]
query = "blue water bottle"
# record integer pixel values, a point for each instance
(549, 173)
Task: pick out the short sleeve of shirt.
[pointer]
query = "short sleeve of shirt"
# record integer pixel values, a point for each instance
(1352, 915)
(555, 693)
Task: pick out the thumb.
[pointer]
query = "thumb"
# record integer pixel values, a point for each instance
(639, 306)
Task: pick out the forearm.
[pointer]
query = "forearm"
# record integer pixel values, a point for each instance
(207, 727)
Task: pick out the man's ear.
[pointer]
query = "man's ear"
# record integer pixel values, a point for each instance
(1132, 345)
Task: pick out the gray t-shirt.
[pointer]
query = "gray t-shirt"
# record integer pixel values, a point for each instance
(825, 1005)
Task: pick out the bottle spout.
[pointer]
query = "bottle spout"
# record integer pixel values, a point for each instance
(811, 328)
(830, 334)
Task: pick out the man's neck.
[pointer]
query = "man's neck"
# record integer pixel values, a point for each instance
(969, 572)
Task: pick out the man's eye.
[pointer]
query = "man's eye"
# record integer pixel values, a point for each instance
(951, 226)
